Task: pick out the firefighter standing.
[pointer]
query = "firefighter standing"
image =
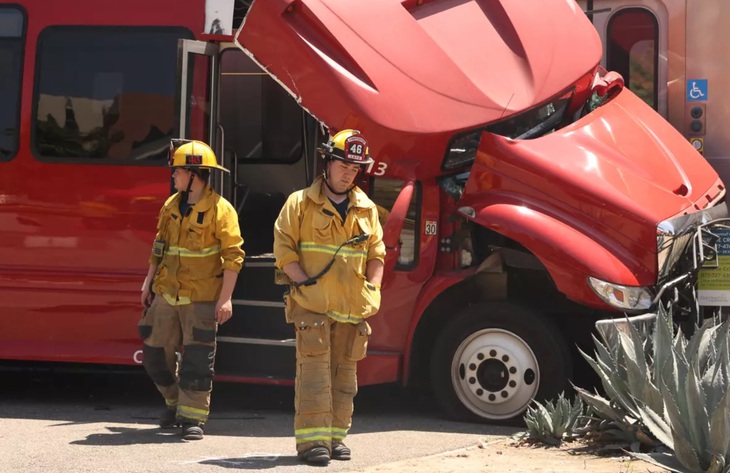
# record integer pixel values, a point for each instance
(194, 265)
(328, 241)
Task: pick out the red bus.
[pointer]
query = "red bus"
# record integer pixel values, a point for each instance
(522, 195)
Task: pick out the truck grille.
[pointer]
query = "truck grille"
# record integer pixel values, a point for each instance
(670, 249)
(683, 243)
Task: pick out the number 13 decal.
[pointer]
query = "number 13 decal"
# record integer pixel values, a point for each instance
(380, 168)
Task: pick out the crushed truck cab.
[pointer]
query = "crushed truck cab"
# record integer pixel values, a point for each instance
(562, 195)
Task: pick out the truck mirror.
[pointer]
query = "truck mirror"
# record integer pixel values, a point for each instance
(397, 216)
(393, 227)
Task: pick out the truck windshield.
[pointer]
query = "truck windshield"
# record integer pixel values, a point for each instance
(532, 123)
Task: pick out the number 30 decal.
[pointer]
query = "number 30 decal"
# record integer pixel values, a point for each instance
(431, 227)
(379, 171)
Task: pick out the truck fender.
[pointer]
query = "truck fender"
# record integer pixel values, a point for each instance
(430, 291)
(569, 255)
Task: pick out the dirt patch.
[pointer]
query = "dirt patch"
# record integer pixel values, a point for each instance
(508, 455)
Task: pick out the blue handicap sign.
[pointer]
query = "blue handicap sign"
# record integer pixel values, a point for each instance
(696, 90)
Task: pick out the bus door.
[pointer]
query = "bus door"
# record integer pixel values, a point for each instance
(268, 143)
(673, 71)
(635, 41)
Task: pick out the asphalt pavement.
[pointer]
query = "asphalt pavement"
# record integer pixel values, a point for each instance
(91, 422)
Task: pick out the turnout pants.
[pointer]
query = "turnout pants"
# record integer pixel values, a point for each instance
(189, 329)
(326, 378)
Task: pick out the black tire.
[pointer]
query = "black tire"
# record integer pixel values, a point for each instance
(514, 354)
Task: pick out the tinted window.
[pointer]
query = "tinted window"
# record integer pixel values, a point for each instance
(632, 51)
(262, 122)
(106, 93)
(11, 61)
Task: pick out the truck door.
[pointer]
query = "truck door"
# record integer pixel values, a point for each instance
(268, 143)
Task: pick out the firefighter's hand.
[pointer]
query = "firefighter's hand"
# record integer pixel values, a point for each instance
(146, 297)
(223, 310)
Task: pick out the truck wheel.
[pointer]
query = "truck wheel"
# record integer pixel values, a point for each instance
(493, 359)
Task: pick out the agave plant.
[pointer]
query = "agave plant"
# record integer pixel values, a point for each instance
(624, 364)
(675, 388)
(693, 381)
(555, 421)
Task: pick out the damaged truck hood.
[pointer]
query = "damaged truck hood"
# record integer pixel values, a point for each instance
(410, 76)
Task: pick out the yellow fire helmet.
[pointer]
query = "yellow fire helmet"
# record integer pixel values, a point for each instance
(348, 146)
(193, 154)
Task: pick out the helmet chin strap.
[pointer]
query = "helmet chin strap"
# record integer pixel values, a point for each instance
(186, 192)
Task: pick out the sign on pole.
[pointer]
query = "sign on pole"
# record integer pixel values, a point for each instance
(713, 282)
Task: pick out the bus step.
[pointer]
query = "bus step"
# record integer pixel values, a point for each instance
(245, 357)
(256, 282)
(257, 319)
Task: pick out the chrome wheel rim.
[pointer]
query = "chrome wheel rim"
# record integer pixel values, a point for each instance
(495, 374)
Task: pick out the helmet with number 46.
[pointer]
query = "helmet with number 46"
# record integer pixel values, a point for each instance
(348, 146)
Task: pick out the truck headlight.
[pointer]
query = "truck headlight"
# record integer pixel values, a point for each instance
(631, 298)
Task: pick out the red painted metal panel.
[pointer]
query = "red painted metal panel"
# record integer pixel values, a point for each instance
(587, 199)
(409, 78)
(75, 239)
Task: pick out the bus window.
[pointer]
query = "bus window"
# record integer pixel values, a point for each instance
(262, 122)
(11, 60)
(106, 93)
(632, 51)
(384, 192)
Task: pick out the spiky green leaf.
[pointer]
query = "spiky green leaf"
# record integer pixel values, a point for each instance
(701, 345)
(720, 427)
(615, 388)
(639, 382)
(657, 426)
(697, 419)
(680, 431)
(662, 347)
(600, 405)
(662, 460)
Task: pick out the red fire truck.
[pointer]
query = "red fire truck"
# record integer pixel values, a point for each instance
(525, 192)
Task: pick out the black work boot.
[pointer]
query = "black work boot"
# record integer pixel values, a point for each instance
(319, 455)
(192, 430)
(168, 419)
(340, 451)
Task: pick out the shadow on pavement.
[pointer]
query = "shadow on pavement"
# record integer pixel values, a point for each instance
(255, 462)
(236, 409)
(129, 436)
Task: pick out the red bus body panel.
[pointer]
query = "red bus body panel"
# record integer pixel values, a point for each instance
(75, 239)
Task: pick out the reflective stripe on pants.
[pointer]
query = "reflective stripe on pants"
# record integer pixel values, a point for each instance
(326, 384)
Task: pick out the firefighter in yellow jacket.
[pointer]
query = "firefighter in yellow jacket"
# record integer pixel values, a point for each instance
(193, 269)
(328, 241)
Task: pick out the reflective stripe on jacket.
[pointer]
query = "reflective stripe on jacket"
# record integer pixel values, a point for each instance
(309, 230)
(198, 247)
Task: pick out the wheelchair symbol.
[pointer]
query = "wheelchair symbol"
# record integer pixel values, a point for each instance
(695, 92)
(697, 89)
